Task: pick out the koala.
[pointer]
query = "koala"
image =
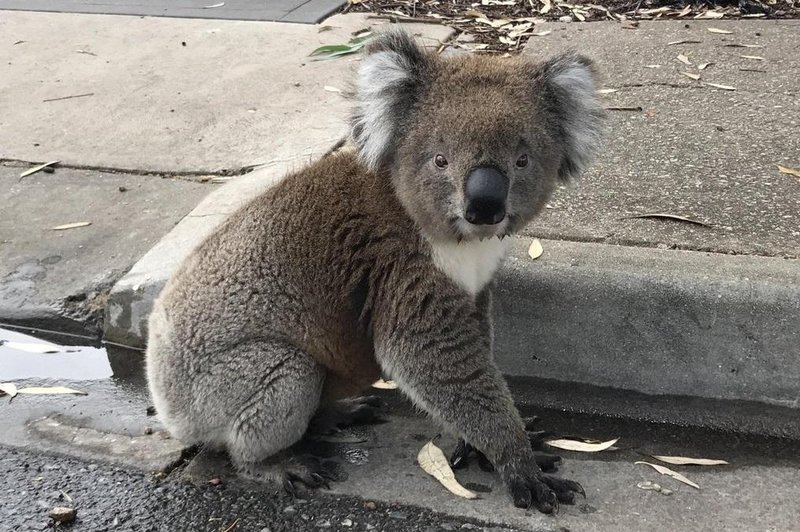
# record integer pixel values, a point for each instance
(374, 261)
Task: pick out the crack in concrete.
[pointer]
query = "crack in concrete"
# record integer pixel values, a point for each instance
(225, 172)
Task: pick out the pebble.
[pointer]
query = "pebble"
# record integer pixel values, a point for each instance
(62, 514)
(369, 505)
(289, 510)
(565, 18)
(398, 515)
(347, 522)
(323, 523)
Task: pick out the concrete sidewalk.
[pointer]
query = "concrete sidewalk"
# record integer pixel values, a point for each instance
(173, 95)
(693, 150)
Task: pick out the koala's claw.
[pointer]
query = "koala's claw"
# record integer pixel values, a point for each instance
(545, 492)
(530, 487)
(534, 492)
(564, 488)
(303, 473)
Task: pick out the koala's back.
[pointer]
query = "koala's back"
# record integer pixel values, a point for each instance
(295, 265)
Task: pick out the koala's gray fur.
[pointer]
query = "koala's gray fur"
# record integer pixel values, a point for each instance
(363, 263)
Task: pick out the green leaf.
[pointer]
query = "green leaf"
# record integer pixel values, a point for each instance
(330, 48)
(335, 50)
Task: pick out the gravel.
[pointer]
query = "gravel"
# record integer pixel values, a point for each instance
(110, 498)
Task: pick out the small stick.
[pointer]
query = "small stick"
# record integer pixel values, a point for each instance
(69, 97)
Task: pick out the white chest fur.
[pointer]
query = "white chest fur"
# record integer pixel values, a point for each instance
(471, 264)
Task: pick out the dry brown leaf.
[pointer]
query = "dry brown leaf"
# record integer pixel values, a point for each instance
(32, 348)
(70, 226)
(581, 446)
(654, 11)
(720, 87)
(665, 216)
(48, 390)
(578, 15)
(683, 59)
(683, 41)
(652, 66)
(711, 15)
(8, 388)
(703, 66)
(754, 57)
(690, 75)
(546, 7)
(35, 169)
(607, 91)
(790, 171)
(433, 461)
(535, 251)
(670, 473)
(717, 30)
(739, 45)
(384, 385)
(541, 33)
(507, 40)
(684, 460)
(330, 88)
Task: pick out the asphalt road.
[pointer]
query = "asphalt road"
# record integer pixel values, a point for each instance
(110, 498)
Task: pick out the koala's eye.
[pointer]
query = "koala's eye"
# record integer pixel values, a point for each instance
(440, 161)
(522, 162)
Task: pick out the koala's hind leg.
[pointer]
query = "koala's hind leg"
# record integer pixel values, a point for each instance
(278, 389)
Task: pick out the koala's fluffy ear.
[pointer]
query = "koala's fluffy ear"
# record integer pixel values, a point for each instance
(570, 94)
(387, 85)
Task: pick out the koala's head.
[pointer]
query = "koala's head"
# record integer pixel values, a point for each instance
(474, 145)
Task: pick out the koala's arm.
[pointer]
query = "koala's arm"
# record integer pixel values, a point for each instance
(436, 343)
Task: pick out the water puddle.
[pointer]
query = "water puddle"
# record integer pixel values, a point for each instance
(26, 357)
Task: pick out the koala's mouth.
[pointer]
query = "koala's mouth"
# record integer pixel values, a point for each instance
(468, 231)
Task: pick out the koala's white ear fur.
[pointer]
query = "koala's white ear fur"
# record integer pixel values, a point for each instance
(386, 88)
(579, 115)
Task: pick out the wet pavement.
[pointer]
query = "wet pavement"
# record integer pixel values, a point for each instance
(59, 278)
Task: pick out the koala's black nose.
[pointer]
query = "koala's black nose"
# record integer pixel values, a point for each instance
(485, 193)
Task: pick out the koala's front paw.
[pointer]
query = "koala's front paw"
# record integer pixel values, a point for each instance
(530, 487)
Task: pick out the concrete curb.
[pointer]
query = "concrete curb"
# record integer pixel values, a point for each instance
(654, 321)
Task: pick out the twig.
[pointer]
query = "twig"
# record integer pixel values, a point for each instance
(69, 97)
(394, 18)
(235, 523)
